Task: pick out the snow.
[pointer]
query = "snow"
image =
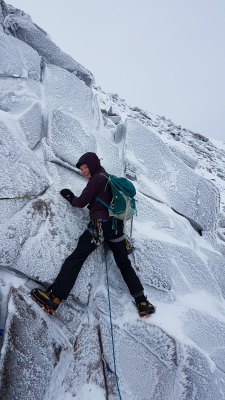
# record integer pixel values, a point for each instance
(49, 117)
(182, 189)
(88, 392)
(23, 28)
(21, 173)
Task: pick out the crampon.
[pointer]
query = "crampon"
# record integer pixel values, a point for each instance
(48, 302)
(145, 309)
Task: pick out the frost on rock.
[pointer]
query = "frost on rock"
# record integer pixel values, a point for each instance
(68, 138)
(32, 356)
(18, 59)
(23, 28)
(145, 352)
(162, 175)
(187, 159)
(87, 366)
(10, 64)
(66, 92)
(178, 353)
(21, 173)
(109, 154)
(169, 267)
(197, 377)
(14, 232)
(18, 95)
(32, 124)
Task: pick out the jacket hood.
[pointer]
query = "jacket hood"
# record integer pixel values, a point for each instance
(92, 161)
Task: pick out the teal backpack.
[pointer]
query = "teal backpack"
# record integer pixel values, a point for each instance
(123, 203)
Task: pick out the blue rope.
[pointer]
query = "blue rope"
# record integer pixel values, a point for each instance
(114, 358)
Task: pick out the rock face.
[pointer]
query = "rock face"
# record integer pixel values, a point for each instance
(21, 26)
(49, 116)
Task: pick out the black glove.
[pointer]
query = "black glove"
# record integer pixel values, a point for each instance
(68, 195)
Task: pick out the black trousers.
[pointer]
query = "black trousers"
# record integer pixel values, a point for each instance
(72, 265)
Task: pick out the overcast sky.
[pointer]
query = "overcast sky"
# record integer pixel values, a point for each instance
(165, 56)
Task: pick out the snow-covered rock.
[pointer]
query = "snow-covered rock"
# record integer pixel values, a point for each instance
(34, 352)
(18, 59)
(191, 162)
(161, 175)
(21, 172)
(49, 117)
(23, 28)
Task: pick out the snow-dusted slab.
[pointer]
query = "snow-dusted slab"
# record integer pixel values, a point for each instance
(162, 175)
(187, 159)
(197, 376)
(87, 369)
(10, 64)
(145, 359)
(68, 138)
(24, 29)
(31, 121)
(66, 92)
(15, 231)
(18, 59)
(109, 153)
(34, 352)
(171, 266)
(216, 263)
(17, 95)
(206, 330)
(21, 172)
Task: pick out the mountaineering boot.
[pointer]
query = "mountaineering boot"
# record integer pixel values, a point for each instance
(48, 301)
(144, 307)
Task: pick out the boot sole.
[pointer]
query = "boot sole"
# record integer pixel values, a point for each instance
(44, 307)
(144, 315)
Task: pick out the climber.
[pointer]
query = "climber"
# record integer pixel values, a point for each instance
(99, 230)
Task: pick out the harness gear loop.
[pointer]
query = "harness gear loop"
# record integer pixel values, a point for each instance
(95, 228)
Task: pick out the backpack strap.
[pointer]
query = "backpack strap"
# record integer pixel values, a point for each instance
(98, 199)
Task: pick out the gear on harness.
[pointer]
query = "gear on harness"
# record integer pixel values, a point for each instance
(129, 247)
(95, 228)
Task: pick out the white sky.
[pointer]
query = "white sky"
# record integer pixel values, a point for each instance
(165, 56)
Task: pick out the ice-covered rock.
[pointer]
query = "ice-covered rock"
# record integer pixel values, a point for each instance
(18, 59)
(189, 161)
(48, 118)
(66, 132)
(23, 28)
(21, 172)
(31, 121)
(18, 95)
(66, 91)
(87, 366)
(32, 355)
(162, 175)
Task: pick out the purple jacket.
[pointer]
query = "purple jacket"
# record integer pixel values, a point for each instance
(95, 187)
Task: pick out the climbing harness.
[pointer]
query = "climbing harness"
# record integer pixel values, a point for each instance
(111, 326)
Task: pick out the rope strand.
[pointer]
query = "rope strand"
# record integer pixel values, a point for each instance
(111, 326)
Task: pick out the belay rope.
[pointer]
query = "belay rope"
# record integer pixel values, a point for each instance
(111, 326)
